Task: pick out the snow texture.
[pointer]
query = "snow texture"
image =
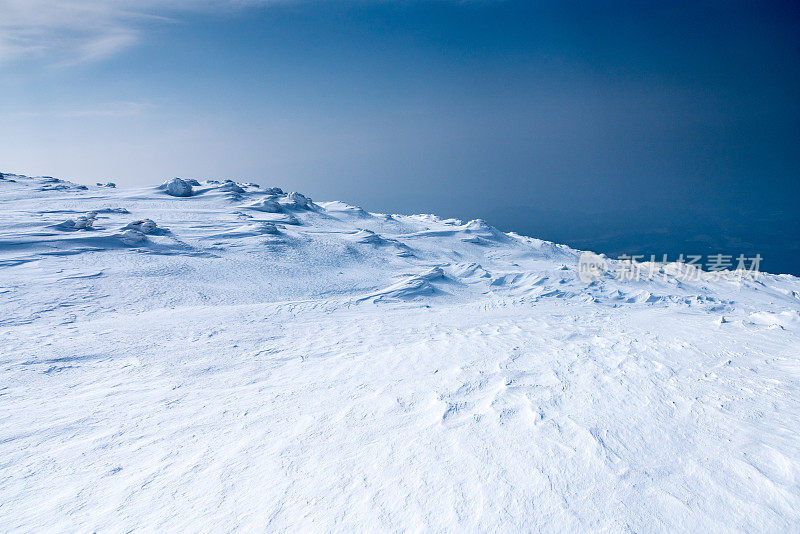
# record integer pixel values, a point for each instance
(228, 357)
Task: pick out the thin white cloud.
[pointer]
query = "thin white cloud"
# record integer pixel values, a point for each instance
(100, 47)
(68, 32)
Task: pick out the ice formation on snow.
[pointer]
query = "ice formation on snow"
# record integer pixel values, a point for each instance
(178, 188)
(145, 226)
(83, 222)
(297, 201)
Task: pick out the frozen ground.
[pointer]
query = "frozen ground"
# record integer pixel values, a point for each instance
(243, 359)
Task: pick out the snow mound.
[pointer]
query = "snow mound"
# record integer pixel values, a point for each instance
(84, 222)
(341, 208)
(410, 288)
(470, 270)
(133, 237)
(784, 319)
(267, 205)
(369, 237)
(480, 228)
(297, 201)
(145, 226)
(231, 187)
(178, 187)
(247, 230)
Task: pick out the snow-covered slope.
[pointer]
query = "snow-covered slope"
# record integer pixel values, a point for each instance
(220, 356)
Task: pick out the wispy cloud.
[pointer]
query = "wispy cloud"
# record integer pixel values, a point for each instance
(70, 32)
(64, 33)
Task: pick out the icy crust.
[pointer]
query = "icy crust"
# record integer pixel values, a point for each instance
(242, 358)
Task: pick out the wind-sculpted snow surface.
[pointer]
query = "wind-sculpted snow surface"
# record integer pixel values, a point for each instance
(243, 359)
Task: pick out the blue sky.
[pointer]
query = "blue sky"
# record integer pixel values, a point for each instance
(557, 119)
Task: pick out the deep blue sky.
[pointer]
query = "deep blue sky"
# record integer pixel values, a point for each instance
(617, 126)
